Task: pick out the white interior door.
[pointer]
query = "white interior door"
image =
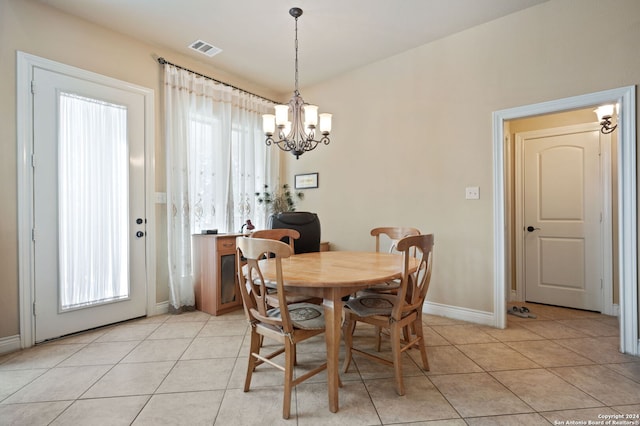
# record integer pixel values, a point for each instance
(562, 212)
(89, 204)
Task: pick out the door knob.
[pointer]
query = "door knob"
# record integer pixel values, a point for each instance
(139, 234)
(531, 228)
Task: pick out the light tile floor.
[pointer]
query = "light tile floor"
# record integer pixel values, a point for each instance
(189, 369)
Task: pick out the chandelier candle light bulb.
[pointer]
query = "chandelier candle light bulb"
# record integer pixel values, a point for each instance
(268, 124)
(298, 134)
(310, 116)
(325, 123)
(282, 114)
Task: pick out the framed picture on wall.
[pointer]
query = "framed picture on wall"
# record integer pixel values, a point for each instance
(306, 181)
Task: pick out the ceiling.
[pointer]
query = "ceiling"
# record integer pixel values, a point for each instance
(257, 36)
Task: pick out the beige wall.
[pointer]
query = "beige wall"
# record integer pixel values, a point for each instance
(410, 132)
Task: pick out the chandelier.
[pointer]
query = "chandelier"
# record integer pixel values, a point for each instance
(297, 135)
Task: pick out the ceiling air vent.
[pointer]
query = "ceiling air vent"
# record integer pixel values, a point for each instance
(205, 48)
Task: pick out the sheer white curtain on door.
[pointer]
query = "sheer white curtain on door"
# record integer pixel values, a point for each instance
(216, 161)
(93, 201)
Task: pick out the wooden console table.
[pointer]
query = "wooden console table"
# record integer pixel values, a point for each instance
(215, 269)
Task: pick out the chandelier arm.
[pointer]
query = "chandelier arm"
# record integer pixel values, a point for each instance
(282, 144)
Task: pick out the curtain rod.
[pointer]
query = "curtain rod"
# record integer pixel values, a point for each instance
(163, 61)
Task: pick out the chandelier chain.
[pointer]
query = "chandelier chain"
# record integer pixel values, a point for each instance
(296, 47)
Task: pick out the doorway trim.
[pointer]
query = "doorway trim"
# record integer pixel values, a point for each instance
(25, 64)
(627, 202)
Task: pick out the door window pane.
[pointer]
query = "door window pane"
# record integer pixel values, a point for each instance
(93, 194)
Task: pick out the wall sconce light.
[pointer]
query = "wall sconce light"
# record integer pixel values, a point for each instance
(605, 113)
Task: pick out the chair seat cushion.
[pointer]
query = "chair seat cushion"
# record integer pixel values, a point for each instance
(387, 286)
(371, 304)
(306, 316)
(272, 298)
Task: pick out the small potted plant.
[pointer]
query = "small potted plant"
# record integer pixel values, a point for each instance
(279, 201)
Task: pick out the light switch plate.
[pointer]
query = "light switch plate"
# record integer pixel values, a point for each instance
(472, 192)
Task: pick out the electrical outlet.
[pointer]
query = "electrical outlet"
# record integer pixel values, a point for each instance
(472, 192)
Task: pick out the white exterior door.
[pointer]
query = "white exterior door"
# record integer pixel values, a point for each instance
(89, 204)
(561, 231)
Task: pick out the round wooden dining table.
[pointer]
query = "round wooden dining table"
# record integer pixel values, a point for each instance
(332, 275)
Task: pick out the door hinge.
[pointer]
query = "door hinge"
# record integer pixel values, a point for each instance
(33, 160)
(33, 87)
(33, 234)
(34, 309)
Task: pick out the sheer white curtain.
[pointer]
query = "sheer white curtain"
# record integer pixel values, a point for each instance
(216, 161)
(93, 201)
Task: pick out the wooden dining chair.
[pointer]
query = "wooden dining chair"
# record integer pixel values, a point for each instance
(398, 313)
(285, 235)
(289, 236)
(288, 324)
(389, 235)
(394, 234)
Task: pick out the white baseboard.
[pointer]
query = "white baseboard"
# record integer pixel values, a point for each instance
(463, 314)
(616, 310)
(12, 343)
(9, 344)
(161, 308)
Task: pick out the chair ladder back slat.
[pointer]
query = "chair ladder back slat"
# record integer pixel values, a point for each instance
(279, 234)
(394, 234)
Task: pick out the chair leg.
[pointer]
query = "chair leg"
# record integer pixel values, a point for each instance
(406, 333)
(295, 355)
(378, 338)
(348, 328)
(417, 326)
(397, 357)
(289, 354)
(256, 341)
